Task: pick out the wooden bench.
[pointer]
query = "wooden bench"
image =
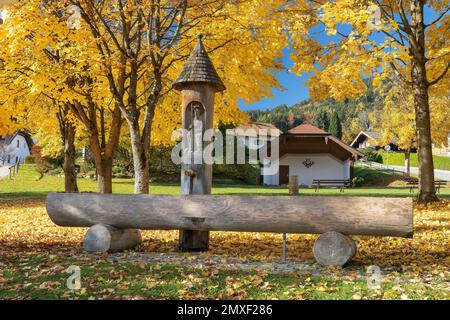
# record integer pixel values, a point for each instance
(342, 184)
(414, 184)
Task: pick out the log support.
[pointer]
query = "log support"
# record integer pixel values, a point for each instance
(106, 238)
(193, 240)
(334, 249)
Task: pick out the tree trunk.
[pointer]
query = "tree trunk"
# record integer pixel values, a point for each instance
(103, 165)
(70, 172)
(103, 151)
(104, 175)
(140, 160)
(427, 192)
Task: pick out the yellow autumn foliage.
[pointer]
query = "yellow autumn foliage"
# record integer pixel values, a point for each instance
(239, 36)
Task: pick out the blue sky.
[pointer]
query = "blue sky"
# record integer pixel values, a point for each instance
(294, 92)
(295, 89)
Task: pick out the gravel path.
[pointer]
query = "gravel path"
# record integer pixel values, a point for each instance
(200, 261)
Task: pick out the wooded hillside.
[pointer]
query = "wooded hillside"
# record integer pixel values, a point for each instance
(354, 115)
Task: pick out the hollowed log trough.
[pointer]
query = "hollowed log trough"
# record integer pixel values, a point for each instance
(114, 218)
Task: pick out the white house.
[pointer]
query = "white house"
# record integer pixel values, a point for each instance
(371, 139)
(311, 153)
(15, 148)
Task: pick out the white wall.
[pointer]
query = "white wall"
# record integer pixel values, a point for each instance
(325, 167)
(17, 150)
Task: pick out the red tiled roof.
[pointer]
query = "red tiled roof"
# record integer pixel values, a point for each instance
(307, 129)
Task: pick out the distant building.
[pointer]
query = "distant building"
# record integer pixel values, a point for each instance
(312, 154)
(15, 148)
(370, 139)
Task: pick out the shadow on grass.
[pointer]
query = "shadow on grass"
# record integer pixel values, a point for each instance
(123, 182)
(251, 190)
(24, 195)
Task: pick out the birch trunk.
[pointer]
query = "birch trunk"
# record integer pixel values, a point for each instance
(140, 160)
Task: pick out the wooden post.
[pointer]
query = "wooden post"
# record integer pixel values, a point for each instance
(293, 185)
(407, 162)
(283, 258)
(198, 83)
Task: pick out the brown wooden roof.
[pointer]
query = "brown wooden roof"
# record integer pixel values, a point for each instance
(199, 69)
(306, 144)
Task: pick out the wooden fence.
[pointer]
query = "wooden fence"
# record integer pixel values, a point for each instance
(371, 164)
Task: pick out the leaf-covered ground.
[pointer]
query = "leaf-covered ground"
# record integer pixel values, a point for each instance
(34, 256)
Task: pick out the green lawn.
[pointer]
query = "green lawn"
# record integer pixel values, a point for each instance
(398, 159)
(27, 186)
(105, 280)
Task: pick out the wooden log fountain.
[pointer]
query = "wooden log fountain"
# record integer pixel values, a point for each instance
(284, 214)
(113, 216)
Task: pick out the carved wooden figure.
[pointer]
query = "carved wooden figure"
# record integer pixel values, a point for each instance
(198, 83)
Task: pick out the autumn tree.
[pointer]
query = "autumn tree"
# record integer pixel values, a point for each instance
(96, 75)
(58, 134)
(35, 110)
(45, 118)
(407, 37)
(63, 68)
(143, 45)
(397, 120)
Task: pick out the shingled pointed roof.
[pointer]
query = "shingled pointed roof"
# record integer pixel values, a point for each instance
(199, 69)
